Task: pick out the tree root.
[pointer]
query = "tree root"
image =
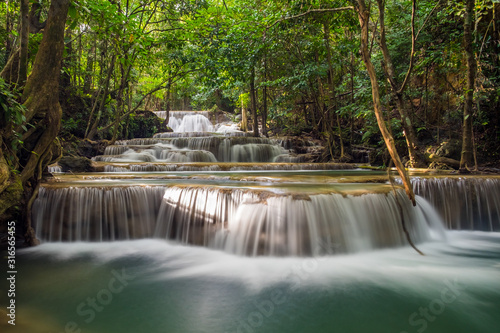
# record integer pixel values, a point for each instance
(401, 215)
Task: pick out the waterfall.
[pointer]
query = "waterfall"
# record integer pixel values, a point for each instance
(274, 213)
(465, 203)
(188, 121)
(239, 220)
(194, 140)
(96, 214)
(223, 149)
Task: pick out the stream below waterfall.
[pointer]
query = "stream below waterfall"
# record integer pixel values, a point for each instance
(205, 229)
(155, 286)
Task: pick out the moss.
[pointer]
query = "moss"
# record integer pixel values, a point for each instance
(10, 199)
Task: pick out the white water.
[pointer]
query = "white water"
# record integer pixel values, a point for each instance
(242, 221)
(465, 203)
(194, 131)
(177, 288)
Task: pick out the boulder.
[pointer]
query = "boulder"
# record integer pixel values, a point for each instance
(450, 149)
(75, 164)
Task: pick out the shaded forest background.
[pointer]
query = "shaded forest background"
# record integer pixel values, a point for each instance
(76, 72)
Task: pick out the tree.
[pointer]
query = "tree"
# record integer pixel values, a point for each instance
(20, 182)
(364, 19)
(415, 155)
(467, 157)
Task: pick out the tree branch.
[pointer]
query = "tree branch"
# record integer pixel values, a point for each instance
(317, 10)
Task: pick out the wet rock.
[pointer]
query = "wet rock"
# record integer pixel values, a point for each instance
(88, 148)
(450, 149)
(75, 164)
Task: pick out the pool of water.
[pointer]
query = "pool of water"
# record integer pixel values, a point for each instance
(159, 286)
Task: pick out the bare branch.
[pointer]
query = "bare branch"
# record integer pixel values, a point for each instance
(317, 10)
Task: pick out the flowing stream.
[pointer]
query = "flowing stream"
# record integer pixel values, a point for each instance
(205, 229)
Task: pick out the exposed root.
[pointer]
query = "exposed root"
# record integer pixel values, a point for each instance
(401, 215)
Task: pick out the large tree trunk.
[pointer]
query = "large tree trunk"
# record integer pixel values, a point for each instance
(41, 98)
(467, 159)
(364, 17)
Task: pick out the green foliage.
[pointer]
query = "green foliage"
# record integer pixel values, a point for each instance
(13, 118)
(192, 54)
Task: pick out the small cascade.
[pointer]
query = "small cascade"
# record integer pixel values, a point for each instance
(54, 168)
(188, 121)
(465, 203)
(159, 167)
(242, 221)
(221, 148)
(96, 214)
(194, 140)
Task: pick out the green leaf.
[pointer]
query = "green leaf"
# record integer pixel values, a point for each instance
(72, 11)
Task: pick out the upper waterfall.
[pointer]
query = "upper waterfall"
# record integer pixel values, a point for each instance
(195, 139)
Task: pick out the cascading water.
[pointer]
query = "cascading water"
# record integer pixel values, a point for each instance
(161, 243)
(194, 140)
(464, 203)
(243, 220)
(187, 121)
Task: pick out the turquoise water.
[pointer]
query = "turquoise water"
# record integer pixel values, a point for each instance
(157, 286)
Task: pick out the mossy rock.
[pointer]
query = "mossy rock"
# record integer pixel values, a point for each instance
(75, 164)
(450, 149)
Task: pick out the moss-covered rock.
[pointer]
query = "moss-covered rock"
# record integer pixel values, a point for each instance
(75, 164)
(10, 198)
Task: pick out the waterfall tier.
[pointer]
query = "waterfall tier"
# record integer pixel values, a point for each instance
(210, 189)
(203, 167)
(203, 147)
(465, 203)
(243, 221)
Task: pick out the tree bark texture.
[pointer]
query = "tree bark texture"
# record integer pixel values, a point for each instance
(41, 99)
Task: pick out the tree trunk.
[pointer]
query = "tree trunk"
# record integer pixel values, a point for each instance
(264, 103)
(8, 29)
(93, 129)
(41, 99)
(25, 31)
(169, 100)
(10, 72)
(415, 155)
(244, 121)
(264, 112)
(253, 100)
(467, 158)
(364, 17)
(326, 38)
(65, 75)
(87, 81)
